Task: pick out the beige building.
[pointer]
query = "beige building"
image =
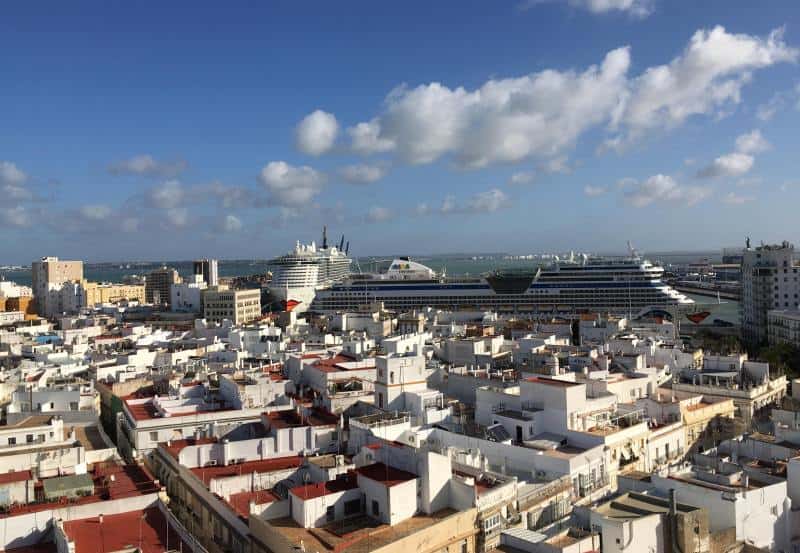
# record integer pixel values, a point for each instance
(96, 292)
(158, 286)
(50, 279)
(238, 306)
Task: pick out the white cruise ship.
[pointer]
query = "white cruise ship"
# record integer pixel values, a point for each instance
(611, 285)
(298, 275)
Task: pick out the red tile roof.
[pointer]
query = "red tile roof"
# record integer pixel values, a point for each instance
(386, 475)
(240, 502)
(18, 476)
(207, 474)
(176, 446)
(122, 531)
(311, 491)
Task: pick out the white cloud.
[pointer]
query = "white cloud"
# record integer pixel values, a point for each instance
(594, 191)
(362, 173)
(231, 223)
(366, 138)
(15, 217)
(147, 166)
(734, 164)
(177, 217)
(522, 177)
(740, 161)
(706, 78)
(290, 186)
(557, 165)
(97, 212)
(635, 8)
(167, 195)
(752, 143)
(543, 114)
(663, 188)
(378, 214)
(488, 202)
(778, 102)
(316, 133)
(505, 120)
(11, 175)
(733, 198)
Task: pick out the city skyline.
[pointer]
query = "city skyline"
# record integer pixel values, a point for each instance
(514, 126)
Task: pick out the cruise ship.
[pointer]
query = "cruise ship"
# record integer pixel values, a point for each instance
(301, 273)
(611, 285)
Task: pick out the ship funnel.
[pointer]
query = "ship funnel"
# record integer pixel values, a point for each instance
(325, 237)
(347, 248)
(341, 243)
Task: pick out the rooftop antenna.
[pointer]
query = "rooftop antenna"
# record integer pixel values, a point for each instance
(325, 237)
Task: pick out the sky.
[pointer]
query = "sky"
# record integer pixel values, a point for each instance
(173, 130)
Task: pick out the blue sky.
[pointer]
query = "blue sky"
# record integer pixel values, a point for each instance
(144, 130)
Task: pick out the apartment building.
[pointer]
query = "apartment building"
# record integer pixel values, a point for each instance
(237, 306)
(56, 288)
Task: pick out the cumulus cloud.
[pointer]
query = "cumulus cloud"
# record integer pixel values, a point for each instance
(15, 217)
(362, 173)
(738, 162)
(488, 202)
(167, 195)
(662, 188)
(707, 77)
(231, 223)
(729, 165)
(11, 175)
(96, 212)
(543, 114)
(505, 120)
(594, 191)
(522, 177)
(146, 165)
(316, 133)
(752, 143)
(635, 8)
(558, 164)
(177, 217)
(779, 102)
(378, 214)
(366, 138)
(291, 186)
(733, 198)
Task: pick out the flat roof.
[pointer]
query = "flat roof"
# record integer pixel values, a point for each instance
(552, 382)
(632, 505)
(240, 502)
(357, 535)
(386, 475)
(288, 418)
(207, 474)
(29, 422)
(146, 530)
(312, 491)
(174, 447)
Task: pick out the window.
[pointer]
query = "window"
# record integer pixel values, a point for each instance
(29, 438)
(153, 436)
(330, 514)
(376, 509)
(12, 441)
(352, 507)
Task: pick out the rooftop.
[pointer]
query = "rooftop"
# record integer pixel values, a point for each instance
(207, 474)
(288, 418)
(357, 535)
(311, 491)
(146, 530)
(630, 506)
(240, 502)
(386, 475)
(551, 382)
